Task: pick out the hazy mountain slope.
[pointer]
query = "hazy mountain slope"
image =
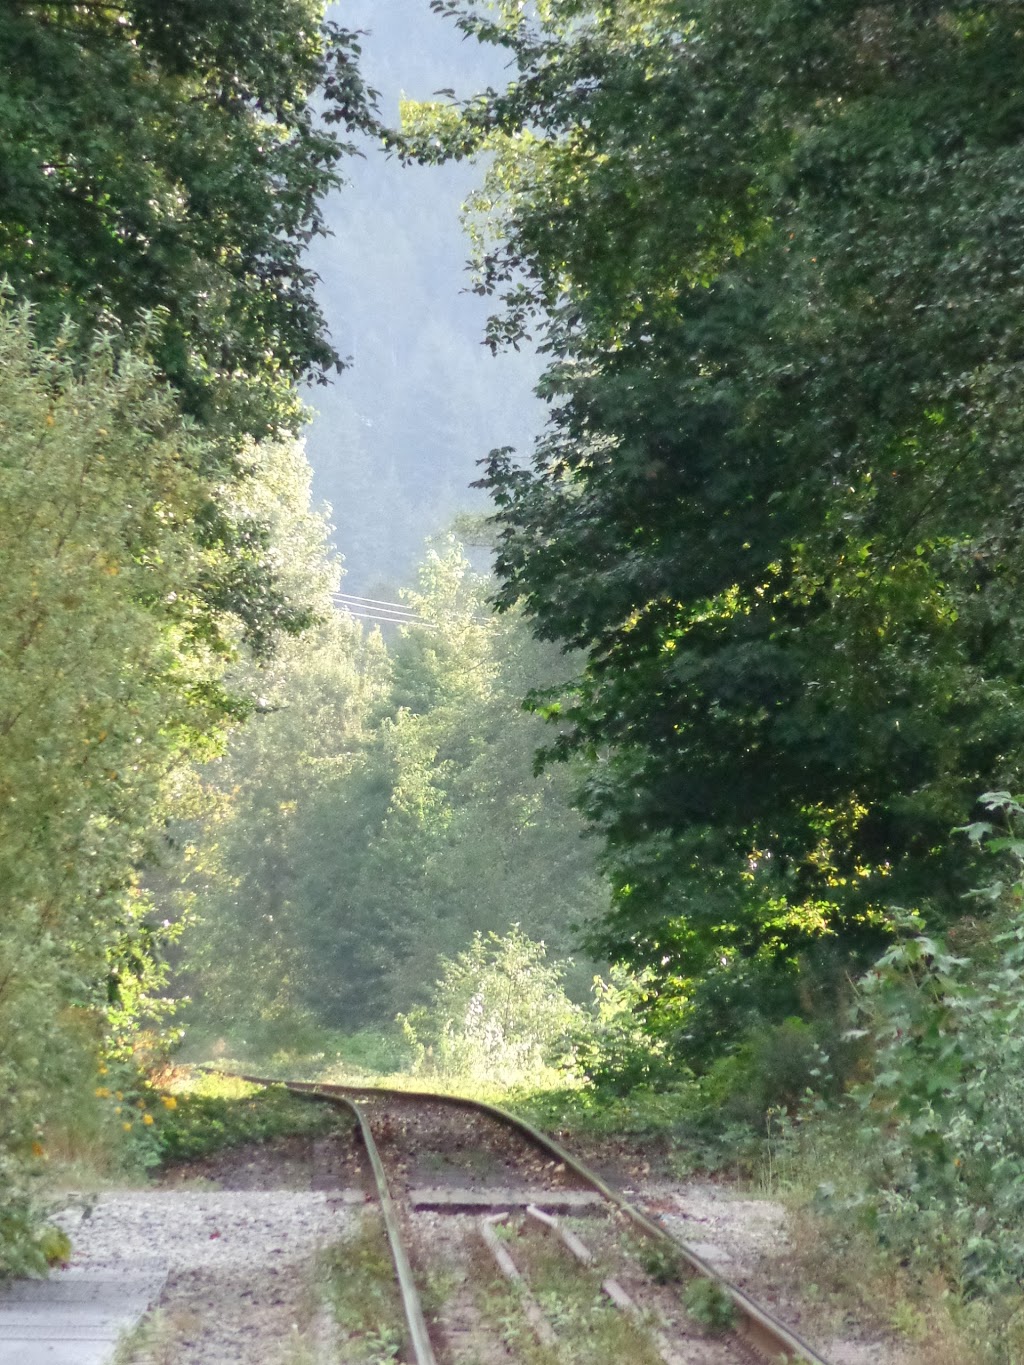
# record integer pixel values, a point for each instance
(397, 436)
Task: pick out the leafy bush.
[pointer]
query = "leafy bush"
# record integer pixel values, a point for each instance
(111, 683)
(197, 1125)
(116, 635)
(940, 1131)
(373, 1050)
(775, 1069)
(710, 1305)
(499, 1014)
(662, 1263)
(612, 1049)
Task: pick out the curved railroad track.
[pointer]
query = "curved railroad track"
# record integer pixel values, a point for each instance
(458, 1180)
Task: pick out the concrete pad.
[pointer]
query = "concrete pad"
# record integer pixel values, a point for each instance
(74, 1317)
(103, 1290)
(61, 1326)
(14, 1352)
(447, 1200)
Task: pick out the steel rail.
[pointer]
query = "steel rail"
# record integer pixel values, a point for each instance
(760, 1328)
(412, 1306)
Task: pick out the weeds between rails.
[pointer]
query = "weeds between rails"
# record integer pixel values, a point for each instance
(444, 1164)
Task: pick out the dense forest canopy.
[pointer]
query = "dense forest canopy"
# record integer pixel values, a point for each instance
(772, 250)
(162, 171)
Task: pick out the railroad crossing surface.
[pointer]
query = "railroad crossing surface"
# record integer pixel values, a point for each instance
(75, 1317)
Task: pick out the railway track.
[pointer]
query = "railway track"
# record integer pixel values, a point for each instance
(543, 1250)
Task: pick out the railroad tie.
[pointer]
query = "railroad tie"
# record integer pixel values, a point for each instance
(508, 1267)
(610, 1287)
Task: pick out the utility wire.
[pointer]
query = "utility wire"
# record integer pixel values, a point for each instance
(390, 620)
(371, 601)
(374, 607)
(378, 611)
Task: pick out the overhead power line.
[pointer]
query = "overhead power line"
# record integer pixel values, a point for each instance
(394, 613)
(370, 601)
(378, 611)
(390, 620)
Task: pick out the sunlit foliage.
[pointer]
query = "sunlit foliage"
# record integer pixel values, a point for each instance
(498, 1015)
(773, 250)
(112, 676)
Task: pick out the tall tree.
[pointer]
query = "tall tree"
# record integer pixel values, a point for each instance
(167, 156)
(113, 679)
(159, 184)
(774, 248)
(163, 169)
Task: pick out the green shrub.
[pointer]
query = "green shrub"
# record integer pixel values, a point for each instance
(774, 1069)
(499, 1014)
(709, 1304)
(941, 1120)
(114, 650)
(374, 1051)
(198, 1125)
(612, 1049)
(663, 1263)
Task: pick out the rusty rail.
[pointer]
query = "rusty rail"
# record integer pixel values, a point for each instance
(412, 1306)
(756, 1325)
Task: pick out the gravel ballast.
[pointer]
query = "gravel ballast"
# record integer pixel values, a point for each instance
(238, 1290)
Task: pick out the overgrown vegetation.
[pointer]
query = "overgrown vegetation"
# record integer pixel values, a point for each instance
(189, 198)
(498, 1016)
(775, 507)
(199, 1124)
(115, 683)
(934, 1128)
(709, 1304)
(587, 1326)
(759, 579)
(162, 176)
(360, 1287)
(380, 812)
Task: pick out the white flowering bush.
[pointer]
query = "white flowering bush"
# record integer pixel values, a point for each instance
(499, 1014)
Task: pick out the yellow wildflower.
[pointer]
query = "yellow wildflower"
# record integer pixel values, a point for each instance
(127, 1127)
(147, 1119)
(101, 1092)
(168, 1101)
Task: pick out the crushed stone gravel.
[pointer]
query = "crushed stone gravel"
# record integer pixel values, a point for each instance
(748, 1242)
(240, 1232)
(238, 1288)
